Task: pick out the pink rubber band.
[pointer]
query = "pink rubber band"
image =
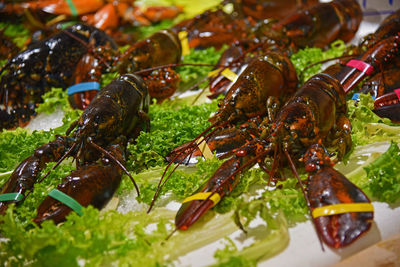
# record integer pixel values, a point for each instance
(397, 91)
(361, 66)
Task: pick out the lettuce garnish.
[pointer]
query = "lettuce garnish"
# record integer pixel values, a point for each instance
(367, 127)
(383, 175)
(312, 55)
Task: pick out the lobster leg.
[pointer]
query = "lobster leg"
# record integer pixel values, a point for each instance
(92, 184)
(26, 174)
(328, 188)
(340, 136)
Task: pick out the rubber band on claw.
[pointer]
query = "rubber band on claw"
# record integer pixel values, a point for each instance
(11, 197)
(82, 87)
(204, 148)
(215, 197)
(361, 66)
(67, 200)
(184, 43)
(227, 73)
(342, 208)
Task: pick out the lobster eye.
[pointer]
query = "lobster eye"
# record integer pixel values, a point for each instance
(310, 167)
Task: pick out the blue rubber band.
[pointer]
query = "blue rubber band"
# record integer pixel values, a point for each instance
(67, 200)
(356, 96)
(82, 87)
(11, 197)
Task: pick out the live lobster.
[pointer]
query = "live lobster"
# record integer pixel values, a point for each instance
(50, 63)
(115, 116)
(76, 55)
(317, 25)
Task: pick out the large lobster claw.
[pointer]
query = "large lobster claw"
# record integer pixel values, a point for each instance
(341, 211)
(388, 105)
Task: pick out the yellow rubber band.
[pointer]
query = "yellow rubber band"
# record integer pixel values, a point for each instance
(184, 43)
(204, 148)
(214, 73)
(342, 208)
(227, 73)
(202, 196)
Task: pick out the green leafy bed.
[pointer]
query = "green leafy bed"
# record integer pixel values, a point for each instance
(137, 238)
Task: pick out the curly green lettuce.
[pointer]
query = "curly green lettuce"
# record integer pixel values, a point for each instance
(367, 127)
(384, 175)
(304, 58)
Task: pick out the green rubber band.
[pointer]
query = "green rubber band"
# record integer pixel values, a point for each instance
(72, 7)
(11, 197)
(67, 200)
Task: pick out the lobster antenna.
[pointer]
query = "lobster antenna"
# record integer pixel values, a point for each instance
(177, 65)
(186, 64)
(202, 90)
(274, 165)
(108, 154)
(304, 193)
(191, 148)
(66, 154)
(179, 163)
(322, 62)
(169, 236)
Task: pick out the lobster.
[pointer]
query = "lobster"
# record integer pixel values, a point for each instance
(310, 121)
(384, 85)
(50, 63)
(217, 28)
(37, 69)
(384, 88)
(390, 26)
(267, 77)
(274, 76)
(317, 25)
(115, 116)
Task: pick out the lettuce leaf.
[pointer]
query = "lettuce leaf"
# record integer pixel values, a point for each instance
(192, 74)
(384, 176)
(367, 127)
(303, 59)
(170, 127)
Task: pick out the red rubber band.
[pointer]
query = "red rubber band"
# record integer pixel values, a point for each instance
(397, 91)
(361, 66)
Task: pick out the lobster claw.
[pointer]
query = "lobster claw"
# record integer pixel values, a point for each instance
(329, 187)
(341, 211)
(388, 106)
(91, 184)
